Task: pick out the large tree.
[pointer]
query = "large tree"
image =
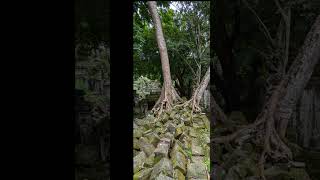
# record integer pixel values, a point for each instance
(185, 26)
(270, 125)
(168, 94)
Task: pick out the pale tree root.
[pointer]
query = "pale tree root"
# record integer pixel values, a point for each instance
(266, 135)
(165, 102)
(194, 102)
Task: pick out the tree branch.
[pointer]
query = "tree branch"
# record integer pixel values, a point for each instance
(281, 10)
(286, 56)
(265, 29)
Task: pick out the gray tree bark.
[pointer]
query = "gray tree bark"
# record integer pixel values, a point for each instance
(298, 76)
(168, 94)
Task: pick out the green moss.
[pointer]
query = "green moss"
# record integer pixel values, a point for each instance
(189, 152)
(207, 163)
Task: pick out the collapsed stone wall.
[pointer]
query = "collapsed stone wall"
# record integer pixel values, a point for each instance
(175, 146)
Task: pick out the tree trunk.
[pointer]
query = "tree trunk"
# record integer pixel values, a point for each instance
(198, 93)
(299, 75)
(217, 114)
(203, 85)
(169, 95)
(223, 47)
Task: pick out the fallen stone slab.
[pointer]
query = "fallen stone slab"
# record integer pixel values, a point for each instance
(163, 177)
(164, 166)
(169, 136)
(144, 174)
(153, 138)
(177, 148)
(196, 170)
(148, 148)
(179, 175)
(196, 150)
(199, 124)
(162, 150)
(171, 128)
(197, 158)
(193, 133)
(149, 162)
(179, 162)
(137, 132)
(136, 144)
(138, 161)
(135, 125)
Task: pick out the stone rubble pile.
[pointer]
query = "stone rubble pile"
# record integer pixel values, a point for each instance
(173, 146)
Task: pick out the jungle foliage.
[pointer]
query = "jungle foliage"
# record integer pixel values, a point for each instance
(186, 30)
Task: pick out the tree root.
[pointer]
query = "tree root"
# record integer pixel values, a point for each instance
(165, 102)
(266, 134)
(193, 104)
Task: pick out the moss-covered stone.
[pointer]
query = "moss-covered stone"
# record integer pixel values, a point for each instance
(158, 124)
(193, 132)
(178, 147)
(137, 132)
(172, 114)
(171, 128)
(143, 174)
(179, 162)
(164, 166)
(135, 152)
(199, 124)
(149, 162)
(171, 135)
(136, 144)
(197, 159)
(179, 175)
(162, 150)
(178, 131)
(163, 177)
(147, 147)
(196, 150)
(196, 170)
(138, 161)
(145, 133)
